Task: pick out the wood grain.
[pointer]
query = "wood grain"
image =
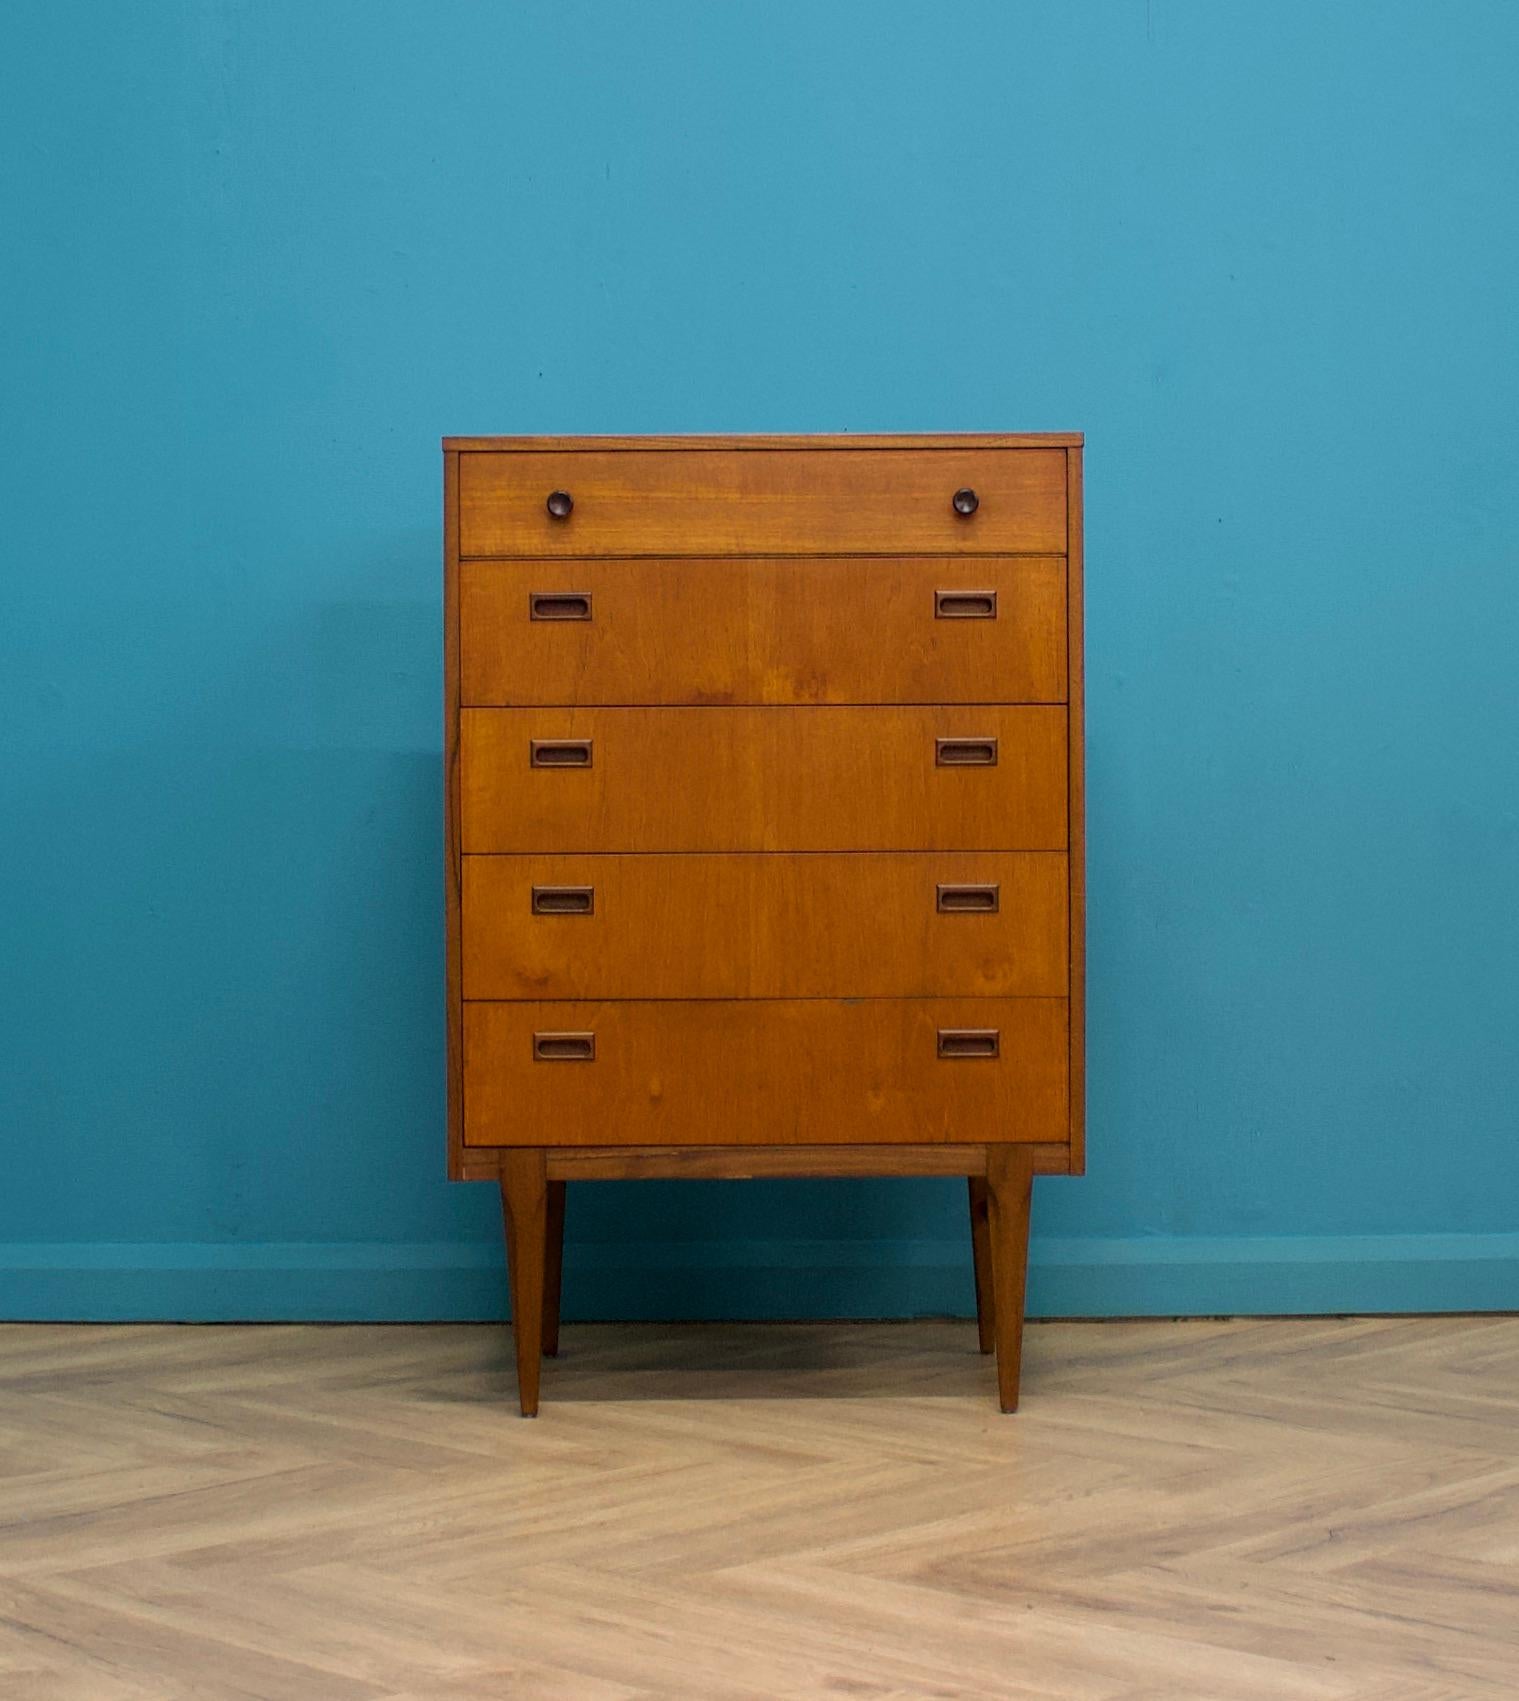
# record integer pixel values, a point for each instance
(780, 501)
(1009, 1189)
(764, 779)
(981, 1259)
(705, 631)
(692, 1163)
(453, 959)
(742, 1163)
(524, 1209)
(1314, 1509)
(553, 1262)
(716, 1072)
(1075, 630)
(751, 722)
(765, 926)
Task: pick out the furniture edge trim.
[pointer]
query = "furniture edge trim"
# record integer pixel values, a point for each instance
(620, 1163)
(458, 1167)
(770, 440)
(1075, 837)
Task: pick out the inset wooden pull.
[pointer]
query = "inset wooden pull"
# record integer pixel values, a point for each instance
(564, 900)
(968, 1042)
(559, 605)
(965, 605)
(969, 900)
(564, 1048)
(560, 753)
(965, 752)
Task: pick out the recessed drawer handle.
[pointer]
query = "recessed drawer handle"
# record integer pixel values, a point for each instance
(965, 605)
(564, 900)
(564, 1048)
(560, 753)
(559, 605)
(965, 752)
(968, 1042)
(969, 900)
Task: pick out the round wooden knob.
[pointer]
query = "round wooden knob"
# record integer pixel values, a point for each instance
(559, 504)
(966, 502)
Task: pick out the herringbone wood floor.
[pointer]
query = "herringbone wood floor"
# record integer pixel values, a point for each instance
(1220, 1510)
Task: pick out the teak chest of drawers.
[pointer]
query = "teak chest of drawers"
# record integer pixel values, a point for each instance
(764, 825)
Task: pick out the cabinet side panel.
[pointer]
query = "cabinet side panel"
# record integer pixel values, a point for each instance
(1076, 756)
(454, 971)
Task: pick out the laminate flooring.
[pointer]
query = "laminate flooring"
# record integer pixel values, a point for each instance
(1314, 1509)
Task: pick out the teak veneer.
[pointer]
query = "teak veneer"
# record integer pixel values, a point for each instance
(764, 826)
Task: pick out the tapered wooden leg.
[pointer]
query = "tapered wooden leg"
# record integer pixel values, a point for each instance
(1009, 1188)
(524, 1206)
(981, 1253)
(553, 1268)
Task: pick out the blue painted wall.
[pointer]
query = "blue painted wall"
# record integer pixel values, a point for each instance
(261, 254)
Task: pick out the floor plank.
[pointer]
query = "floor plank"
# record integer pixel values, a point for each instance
(1317, 1508)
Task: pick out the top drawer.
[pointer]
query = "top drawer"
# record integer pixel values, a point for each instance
(761, 501)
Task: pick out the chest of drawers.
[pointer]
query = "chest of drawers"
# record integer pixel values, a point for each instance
(764, 830)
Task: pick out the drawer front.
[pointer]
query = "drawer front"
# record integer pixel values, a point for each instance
(913, 925)
(981, 777)
(760, 501)
(772, 1072)
(828, 630)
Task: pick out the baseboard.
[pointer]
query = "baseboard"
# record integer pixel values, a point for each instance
(453, 1282)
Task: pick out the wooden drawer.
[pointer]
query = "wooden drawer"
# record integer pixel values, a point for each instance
(913, 925)
(774, 1072)
(810, 630)
(742, 501)
(763, 779)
